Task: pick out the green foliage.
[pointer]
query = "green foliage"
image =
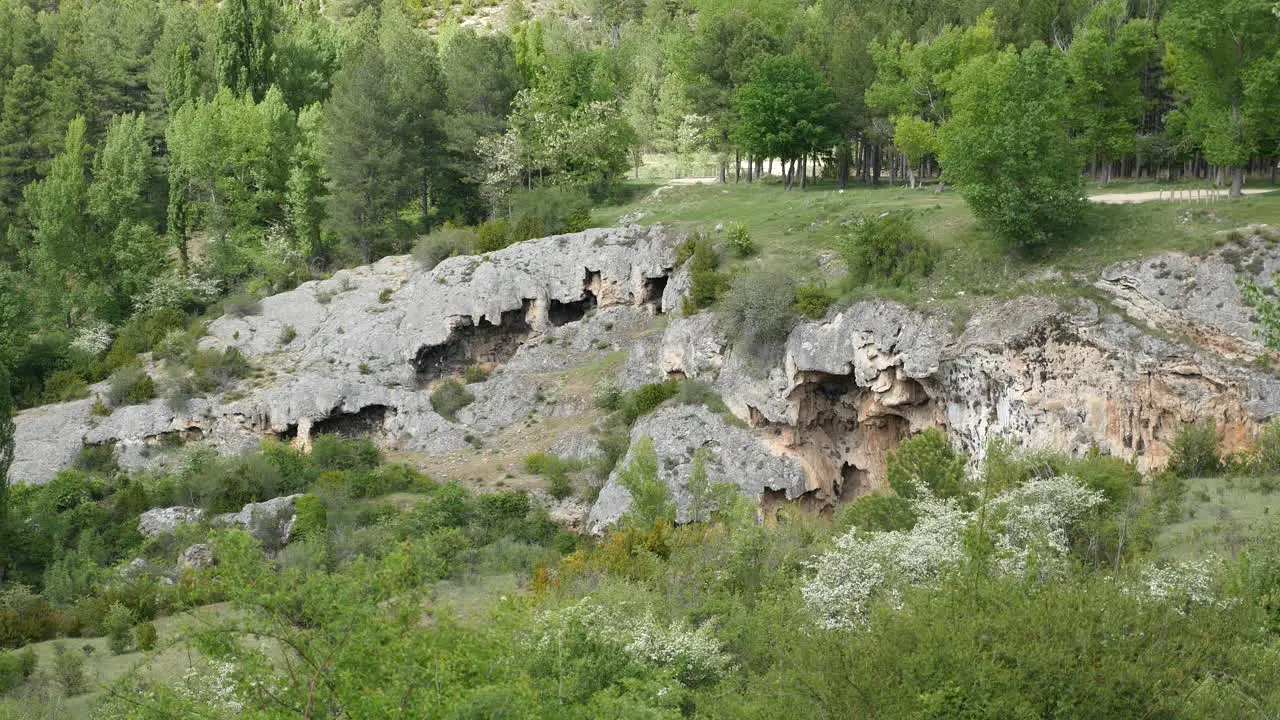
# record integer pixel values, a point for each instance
(705, 283)
(474, 374)
(739, 240)
(68, 671)
(877, 512)
(310, 518)
(332, 452)
(1006, 146)
(288, 334)
(130, 385)
(241, 305)
(118, 626)
(887, 250)
(645, 399)
(527, 227)
(64, 385)
(100, 459)
(145, 636)
(786, 110)
(492, 235)
(449, 397)
(758, 308)
(651, 500)
(927, 461)
(812, 300)
(443, 244)
(1194, 450)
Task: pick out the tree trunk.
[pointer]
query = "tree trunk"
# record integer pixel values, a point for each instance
(875, 165)
(911, 176)
(737, 167)
(1237, 182)
(804, 170)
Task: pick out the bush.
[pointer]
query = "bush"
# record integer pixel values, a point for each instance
(474, 374)
(561, 486)
(1194, 450)
(287, 334)
(578, 220)
(130, 385)
(99, 458)
(10, 671)
(68, 670)
(145, 636)
(100, 409)
(606, 396)
(928, 461)
(64, 385)
(332, 452)
(311, 520)
(887, 250)
(645, 399)
(812, 301)
(558, 208)
(877, 512)
(739, 239)
(241, 305)
(143, 332)
(705, 282)
(759, 308)
(651, 500)
(443, 244)
(213, 370)
(527, 227)
(449, 397)
(493, 235)
(118, 625)
(1267, 450)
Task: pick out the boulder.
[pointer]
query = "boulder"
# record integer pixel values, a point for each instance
(159, 521)
(270, 521)
(197, 557)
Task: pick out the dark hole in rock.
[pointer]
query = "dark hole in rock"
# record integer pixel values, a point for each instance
(563, 313)
(654, 287)
(852, 482)
(365, 422)
(486, 343)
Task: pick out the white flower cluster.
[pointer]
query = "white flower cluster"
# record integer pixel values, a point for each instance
(864, 566)
(212, 687)
(1189, 581)
(93, 339)
(1035, 518)
(175, 289)
(692, 654)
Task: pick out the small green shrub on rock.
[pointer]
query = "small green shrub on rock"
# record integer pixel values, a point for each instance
(443, 244)
(449, 397)
(492, 235)
(739, 239)
(887, 250)
(812, 301)
(130, 385)
(759, 308)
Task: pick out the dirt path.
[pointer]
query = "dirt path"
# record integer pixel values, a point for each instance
(1179, 195)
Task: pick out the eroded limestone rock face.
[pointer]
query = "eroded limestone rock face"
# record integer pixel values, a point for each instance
(359, 352)
(734, 455)
(159, 521)
(270, 521)
(197, 557)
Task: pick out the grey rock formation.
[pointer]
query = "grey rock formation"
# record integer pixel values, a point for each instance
(735, 455)
(270, 521)
(197, 557)
(165, 520)
(366, 345)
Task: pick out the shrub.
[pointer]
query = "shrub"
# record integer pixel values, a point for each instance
(449, 397)
(928, 461)
(492, 235)
(1111, 476)
(527, 227)
(241, 305)
(311, 520)
(606, 396)
(213, 370)
(287, 334)
(28, 661)
(887, 250)
(143, 332)
(118, 625)
(578, 220)
(331, 452)
(759, 308)
(739, 239)
(385, 296)
(877, 512)
(100, 409)
(650, 497)
(1267, 453)
(443, 244)
(130, 385)
(561, 486)
(145, 636)
(64, 385)
(812, 301)
(10, 671)
(68, 670)
(98, 458)
(1194, 450)
(645, 399)
(705, 281)
(474, 374)
(686, 248)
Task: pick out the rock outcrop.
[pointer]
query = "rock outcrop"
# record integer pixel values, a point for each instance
(159, 521)
(359, 352)
(269, 521)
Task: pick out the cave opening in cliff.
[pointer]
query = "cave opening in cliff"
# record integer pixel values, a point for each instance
(486, 343)
(654, 288)
(563, 313)
(365, 422)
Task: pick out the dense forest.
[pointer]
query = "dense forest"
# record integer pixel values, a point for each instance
(163, 162)
(157, 156)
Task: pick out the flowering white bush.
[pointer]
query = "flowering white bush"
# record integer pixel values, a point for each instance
(175, 289)
(93, 339)
(862, 567)
(693, 655)
(1189, 581)
(1035, 518)
(212, 687)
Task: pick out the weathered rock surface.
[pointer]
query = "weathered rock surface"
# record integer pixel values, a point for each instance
(197, 557)
(270, 521)
(159, 521)
(365, 346)
(735, 455)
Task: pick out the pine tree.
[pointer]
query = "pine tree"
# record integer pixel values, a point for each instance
(245, 47)
(20, 153)
(62, 253)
